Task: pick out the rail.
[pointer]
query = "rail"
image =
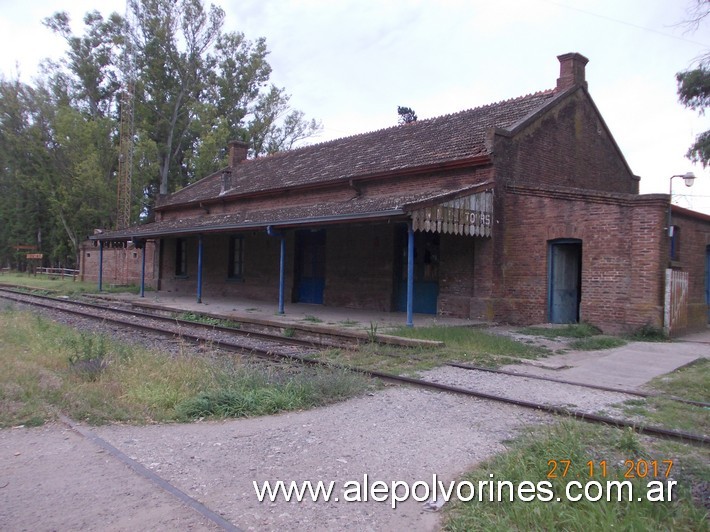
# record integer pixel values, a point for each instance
(271, 353)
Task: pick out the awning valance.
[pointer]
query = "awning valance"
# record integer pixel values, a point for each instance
(469, 215)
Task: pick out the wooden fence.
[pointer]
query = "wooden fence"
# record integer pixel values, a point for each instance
(60, 273)
(675, 312)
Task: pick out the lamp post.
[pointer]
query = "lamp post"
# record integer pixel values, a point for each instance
(688, 179)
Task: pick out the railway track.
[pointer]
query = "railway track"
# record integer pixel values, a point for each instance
(272, 347)
(253, 342)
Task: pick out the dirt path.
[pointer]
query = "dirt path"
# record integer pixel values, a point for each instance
(51, 478)
(58, 480)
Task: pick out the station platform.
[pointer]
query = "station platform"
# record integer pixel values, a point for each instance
(296, 314)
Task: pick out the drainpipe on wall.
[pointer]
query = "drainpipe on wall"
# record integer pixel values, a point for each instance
(282, 265)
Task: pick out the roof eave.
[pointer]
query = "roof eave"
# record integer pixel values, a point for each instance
(276, 224)
(476, 160)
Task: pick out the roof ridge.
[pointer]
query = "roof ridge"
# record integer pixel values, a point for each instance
(544, 92)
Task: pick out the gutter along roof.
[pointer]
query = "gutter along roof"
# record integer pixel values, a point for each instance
(446, 142)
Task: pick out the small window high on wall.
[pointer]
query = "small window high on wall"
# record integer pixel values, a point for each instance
(180, 257)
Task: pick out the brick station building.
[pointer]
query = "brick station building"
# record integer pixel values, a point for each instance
(523, 211)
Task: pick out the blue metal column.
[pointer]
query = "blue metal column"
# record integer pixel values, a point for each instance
(282, 274)
(410, 275)
(282, 265)
(143, 271)
(199, 269)
(101, 264)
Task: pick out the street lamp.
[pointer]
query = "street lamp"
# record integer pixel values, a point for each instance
(688, 179)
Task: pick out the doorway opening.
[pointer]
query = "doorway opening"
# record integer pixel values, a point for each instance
(426, 272)
(564, 280)
(310, 266)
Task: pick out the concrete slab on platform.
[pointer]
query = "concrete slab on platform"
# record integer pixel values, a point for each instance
(296, 313)
(626, 367)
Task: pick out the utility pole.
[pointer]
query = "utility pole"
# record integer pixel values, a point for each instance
(125, 154)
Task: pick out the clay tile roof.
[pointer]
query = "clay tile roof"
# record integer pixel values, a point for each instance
(358, 208)
(426, 142)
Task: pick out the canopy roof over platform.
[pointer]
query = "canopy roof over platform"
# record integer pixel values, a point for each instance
(465, 211)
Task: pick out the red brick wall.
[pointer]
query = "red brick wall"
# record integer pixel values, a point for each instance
(622, 245)
(456, 275)
(260, 269)
(567, 146)
(121, 266)
(694, 240)
(359, 266)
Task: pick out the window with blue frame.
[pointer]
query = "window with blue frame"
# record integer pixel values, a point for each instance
(235, 268)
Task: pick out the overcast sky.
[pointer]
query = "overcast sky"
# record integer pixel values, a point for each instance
(350, 63)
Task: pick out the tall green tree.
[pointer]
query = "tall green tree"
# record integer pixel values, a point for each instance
(694, 93)
(92, 62)
(199, 87)
(694, 87)
(196, 88)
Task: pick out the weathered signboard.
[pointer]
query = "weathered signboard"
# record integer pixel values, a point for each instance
(471, 215)
(34, 256)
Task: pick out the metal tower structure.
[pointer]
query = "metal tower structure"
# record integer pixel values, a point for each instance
(125, 154)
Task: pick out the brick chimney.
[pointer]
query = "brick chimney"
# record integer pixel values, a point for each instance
(226, 181)
(571, 71)
(238, 150)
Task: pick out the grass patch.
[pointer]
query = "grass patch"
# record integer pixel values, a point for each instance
(250, 392)
(312, 319)
(42, 285)
(472, 340)
(46, 367)
(573, 330)
(648, 333)
(690, 382)
(470, 345)
(208, 320)
(529, 460)
(594, 343)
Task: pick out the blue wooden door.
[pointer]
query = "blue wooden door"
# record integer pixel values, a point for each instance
(565, 279)
(426, 273)
(310, 266)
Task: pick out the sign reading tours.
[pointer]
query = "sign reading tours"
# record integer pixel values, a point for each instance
(471, 215)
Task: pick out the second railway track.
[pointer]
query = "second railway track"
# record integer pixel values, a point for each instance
(271, 346)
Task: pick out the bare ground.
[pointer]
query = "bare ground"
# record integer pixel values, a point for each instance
(51, 478)
(54, 479)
